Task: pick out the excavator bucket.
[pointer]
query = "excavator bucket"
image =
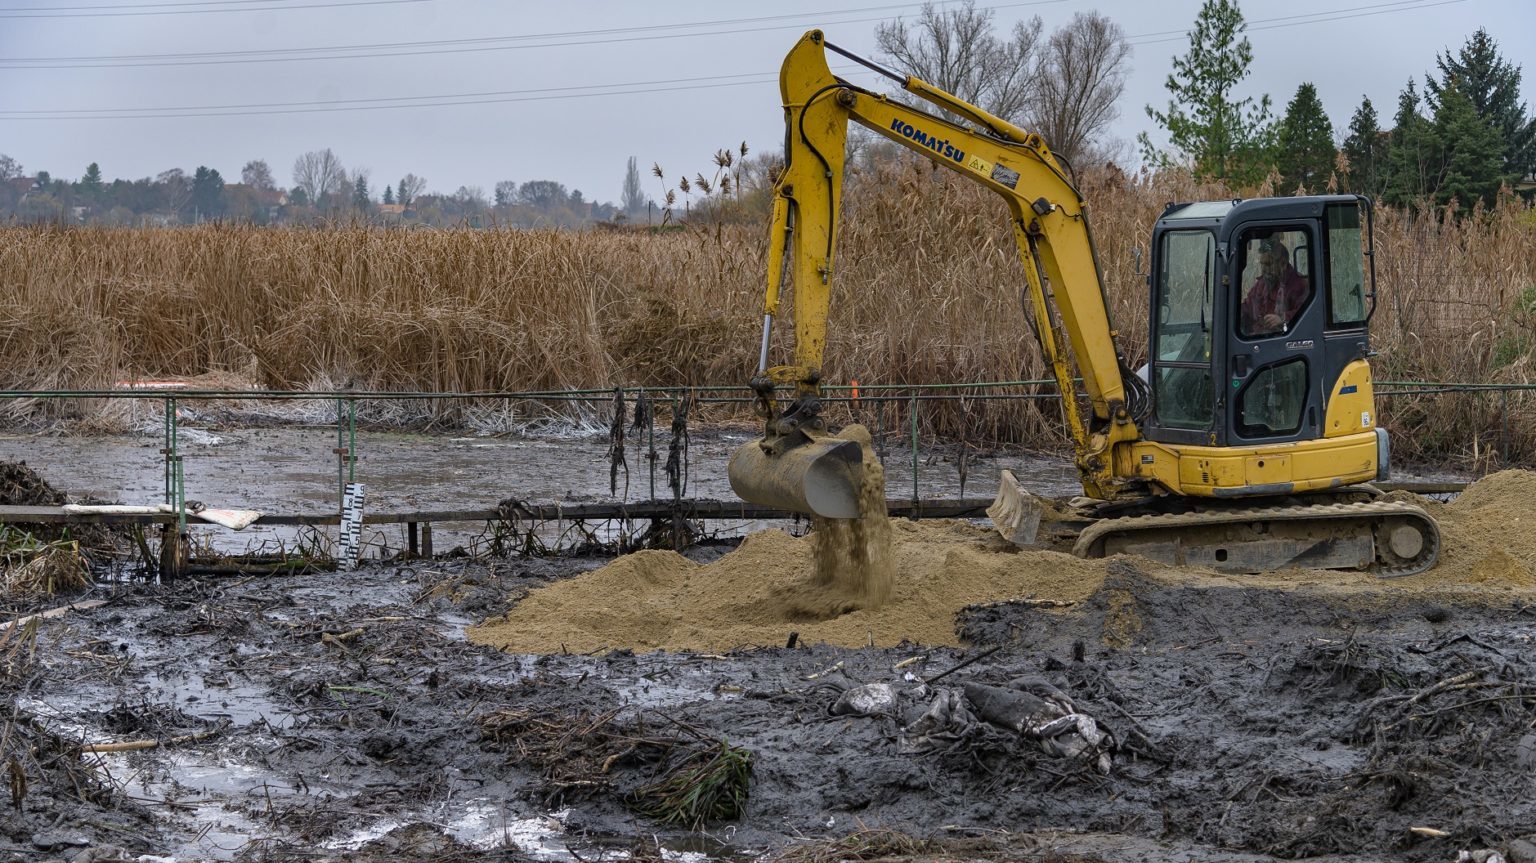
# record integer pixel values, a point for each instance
(1015, 512)
(820, 477)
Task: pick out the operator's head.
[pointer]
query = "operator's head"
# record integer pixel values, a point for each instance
(1273, 255)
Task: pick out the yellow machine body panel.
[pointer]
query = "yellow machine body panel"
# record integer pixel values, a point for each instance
(1247, 471)
(1352, 405)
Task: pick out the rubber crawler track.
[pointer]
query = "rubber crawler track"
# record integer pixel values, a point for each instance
(1090, 542)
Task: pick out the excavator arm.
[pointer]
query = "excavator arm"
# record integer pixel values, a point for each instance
(1050, 225)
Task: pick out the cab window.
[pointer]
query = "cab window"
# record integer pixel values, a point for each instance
(1274, 282)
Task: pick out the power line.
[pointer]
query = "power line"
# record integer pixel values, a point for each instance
(550, 93)
(458, 46)
(142, 9)
(449, 101)
(342, 104)
(1258, 24)
(128, 7)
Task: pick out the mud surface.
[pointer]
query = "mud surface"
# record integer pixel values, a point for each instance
(346, 716)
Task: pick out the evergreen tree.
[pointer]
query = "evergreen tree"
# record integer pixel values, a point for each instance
(1492, 85)
(362, 198)
(389, 194)
(1365, 150)
(90, 186)
(1224, 137)
(1472, 151)
(207, 193)
(1413, 152)
(1304, 152)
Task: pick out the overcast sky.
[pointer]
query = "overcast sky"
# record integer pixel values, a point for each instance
(568, 91)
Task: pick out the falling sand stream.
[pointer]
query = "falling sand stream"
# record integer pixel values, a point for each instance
(853, 567)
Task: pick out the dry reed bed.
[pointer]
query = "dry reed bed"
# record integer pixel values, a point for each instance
(927, 283)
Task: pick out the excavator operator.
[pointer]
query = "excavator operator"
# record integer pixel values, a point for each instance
(1277, 294)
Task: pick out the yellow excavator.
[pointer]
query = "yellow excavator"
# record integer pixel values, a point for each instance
(1246, 444)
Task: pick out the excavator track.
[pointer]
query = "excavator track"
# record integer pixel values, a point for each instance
(1387, 538)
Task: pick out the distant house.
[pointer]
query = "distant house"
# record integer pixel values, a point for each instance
(18, 188)
(392, 211)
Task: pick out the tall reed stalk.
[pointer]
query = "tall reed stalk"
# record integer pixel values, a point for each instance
(927, 291)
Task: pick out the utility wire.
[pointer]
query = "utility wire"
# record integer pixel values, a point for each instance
(143, 9)
(340, 104)
(1314, 18)
(491, 43)
(456, 46)
(387, 45)
(542, 94)
(129, 7)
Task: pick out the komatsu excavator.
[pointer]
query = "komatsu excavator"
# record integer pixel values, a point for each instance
(1248, 442)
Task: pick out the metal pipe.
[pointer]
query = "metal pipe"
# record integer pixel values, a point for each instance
(762, 353)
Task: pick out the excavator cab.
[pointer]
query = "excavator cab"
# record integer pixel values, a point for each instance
(1258, 326)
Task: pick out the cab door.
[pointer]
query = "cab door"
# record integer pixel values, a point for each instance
(1275, 358)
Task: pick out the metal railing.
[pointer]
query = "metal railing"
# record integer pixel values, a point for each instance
(879, 395)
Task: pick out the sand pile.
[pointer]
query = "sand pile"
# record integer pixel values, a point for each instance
(661, 600)
(1488, 533)
(757, 594)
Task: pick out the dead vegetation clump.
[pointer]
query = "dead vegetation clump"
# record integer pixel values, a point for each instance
(680, 777)
(39, 560)
(31, 567)
(870, 844)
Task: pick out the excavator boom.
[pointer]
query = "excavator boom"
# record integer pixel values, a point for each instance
(795, 460)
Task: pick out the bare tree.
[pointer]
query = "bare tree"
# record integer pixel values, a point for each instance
(9, 168)
(257, 175)
(410, 186)
(956, 50)
(177, 188)
(505, 193)
(471, 198)
(318, 173)
(1078, 79)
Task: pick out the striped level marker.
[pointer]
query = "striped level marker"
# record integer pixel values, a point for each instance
(351, 524)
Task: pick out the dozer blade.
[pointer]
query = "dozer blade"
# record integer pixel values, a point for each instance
(821, 477)
(1015, 512)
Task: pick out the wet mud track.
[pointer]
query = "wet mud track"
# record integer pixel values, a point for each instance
(344, 716)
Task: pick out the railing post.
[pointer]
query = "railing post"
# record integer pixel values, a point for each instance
(913, 411)
(173, 536)
(351, 440)
(341, 458)
(1504, 428)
